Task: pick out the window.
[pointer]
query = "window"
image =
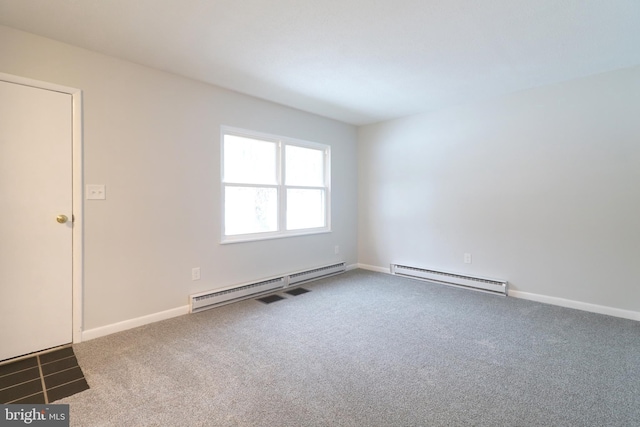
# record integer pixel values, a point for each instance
(273, 186)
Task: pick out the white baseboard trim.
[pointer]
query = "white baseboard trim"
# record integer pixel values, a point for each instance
(562, 302)
(133, 323)
(145, 320)
(374, 268)
(179, 311)
(578, 305)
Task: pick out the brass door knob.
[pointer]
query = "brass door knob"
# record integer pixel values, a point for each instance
(62, 219)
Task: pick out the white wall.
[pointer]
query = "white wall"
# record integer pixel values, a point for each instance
(542, 188)
(153, 139)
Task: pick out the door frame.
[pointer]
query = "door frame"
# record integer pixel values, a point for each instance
(77, 257)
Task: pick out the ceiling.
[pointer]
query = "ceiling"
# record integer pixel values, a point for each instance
(358, 61)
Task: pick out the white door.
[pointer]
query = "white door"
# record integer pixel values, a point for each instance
(35, 194)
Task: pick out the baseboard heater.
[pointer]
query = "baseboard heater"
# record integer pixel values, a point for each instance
(494, 286)
(206, 300)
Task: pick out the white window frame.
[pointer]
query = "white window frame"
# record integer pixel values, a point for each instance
(281, 142)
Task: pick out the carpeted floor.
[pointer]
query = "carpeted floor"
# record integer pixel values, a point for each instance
(367, 349)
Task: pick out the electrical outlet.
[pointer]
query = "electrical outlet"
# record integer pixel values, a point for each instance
(195, 273)
(467, 258)
(336, 250)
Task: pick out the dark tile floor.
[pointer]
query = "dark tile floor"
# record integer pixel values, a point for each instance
(43, 378)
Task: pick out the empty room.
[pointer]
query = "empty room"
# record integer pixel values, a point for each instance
(320, 213)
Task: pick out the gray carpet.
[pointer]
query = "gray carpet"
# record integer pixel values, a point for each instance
(367, 349)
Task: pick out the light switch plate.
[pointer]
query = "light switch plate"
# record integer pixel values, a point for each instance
(96, 192)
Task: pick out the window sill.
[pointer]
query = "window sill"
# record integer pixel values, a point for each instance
(270, 236)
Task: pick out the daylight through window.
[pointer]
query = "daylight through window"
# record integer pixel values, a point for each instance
(273, 186)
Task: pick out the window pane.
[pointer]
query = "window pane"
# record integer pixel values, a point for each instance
(305, 209)
(304, 166)
(250, 210)
(249, 161)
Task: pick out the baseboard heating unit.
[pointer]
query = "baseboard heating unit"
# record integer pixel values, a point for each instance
(494, 286)
(206, 300)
